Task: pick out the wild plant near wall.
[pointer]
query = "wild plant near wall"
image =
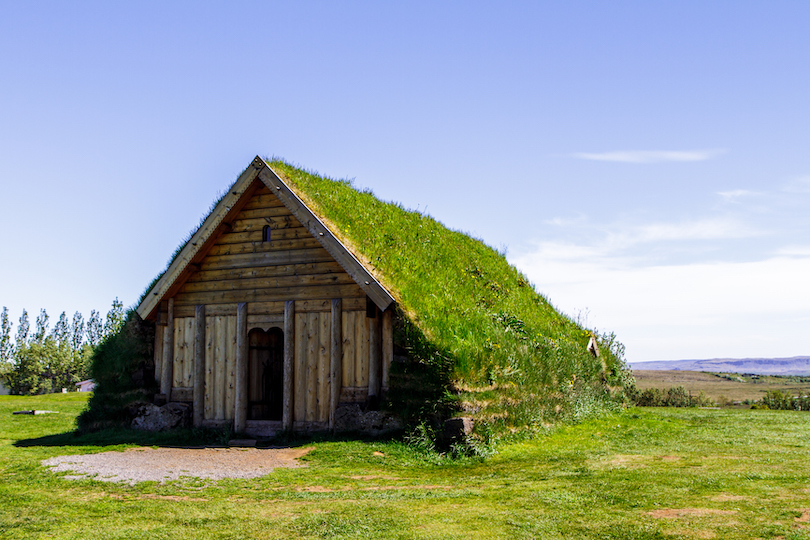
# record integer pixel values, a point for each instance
(123, 369)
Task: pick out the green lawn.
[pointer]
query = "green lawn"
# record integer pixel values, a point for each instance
(653, 473)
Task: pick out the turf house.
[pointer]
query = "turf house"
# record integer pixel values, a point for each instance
(300, 297)
(265, 319)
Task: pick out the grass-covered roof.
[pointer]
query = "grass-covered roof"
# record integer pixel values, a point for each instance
(499, 342)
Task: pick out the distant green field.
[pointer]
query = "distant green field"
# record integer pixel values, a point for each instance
(641, 474)
(722, 387)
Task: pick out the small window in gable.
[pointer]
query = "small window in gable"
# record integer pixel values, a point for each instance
(266, 233)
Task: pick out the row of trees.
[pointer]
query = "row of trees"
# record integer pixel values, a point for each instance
(46, 360)
(676, 396)
(785, 401)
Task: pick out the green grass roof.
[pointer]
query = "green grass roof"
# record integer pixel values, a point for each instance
(478, 313)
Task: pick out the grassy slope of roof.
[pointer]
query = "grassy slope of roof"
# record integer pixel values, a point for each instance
(509, 352)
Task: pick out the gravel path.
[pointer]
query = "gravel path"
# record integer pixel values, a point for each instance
(161, 464)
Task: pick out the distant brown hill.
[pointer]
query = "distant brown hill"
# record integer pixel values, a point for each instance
(795, 365)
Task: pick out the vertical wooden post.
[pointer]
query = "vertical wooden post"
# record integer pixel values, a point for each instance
(336, 355)
(241, 391)
(167, 373)
(374, 356)
(387, 345)
(289, 356)
(158, 347)
(199, 365)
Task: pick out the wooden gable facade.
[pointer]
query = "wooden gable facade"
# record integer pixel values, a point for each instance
(265, 321)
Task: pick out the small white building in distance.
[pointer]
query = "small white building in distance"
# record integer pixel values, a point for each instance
(86, 386)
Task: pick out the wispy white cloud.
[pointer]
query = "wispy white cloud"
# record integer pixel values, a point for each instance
(793, 251)
(720, 228)
(798, 185)
(736, 194)
(620, 236)
(649, 156)
(566, 222)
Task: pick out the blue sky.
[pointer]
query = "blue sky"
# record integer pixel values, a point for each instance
(645, 164)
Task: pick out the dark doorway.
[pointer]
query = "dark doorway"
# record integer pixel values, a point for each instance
(265, 374)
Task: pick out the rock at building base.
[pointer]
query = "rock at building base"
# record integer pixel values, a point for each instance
(456, 430)
(351, 417)
(153, 418)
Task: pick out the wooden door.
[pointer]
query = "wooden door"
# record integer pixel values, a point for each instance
(265, 374)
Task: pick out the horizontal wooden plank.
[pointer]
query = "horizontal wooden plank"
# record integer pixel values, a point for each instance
(309, 426)
(270, 295)
(280, 222)
(216, 423)
(246, 260)
(255, 235)
(354, 304)
(331, 267)
(263, 199)
(214, 310)
(183, 394)
(264, 247)
(274, 308)
(301, 306)
(353, 394)
(274, 211)
(267, 283)
(264, 320)
(306, 306)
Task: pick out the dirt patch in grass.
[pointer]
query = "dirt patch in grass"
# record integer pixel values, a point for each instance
(315, 489)
(322, 489)
(175, 498)
(668, 513)
(805, 517)
(620, 461)
(725, 497)
(688, 533)
(161, 464)
(634, 461)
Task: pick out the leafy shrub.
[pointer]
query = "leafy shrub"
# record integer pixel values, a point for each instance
(778, 400)
(123, 369)
(676, 396)
(651, 397)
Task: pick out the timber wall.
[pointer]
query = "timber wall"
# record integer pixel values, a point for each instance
(292, 265)
(240, 267)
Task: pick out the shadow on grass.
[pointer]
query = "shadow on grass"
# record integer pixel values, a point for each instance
(187, 438)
